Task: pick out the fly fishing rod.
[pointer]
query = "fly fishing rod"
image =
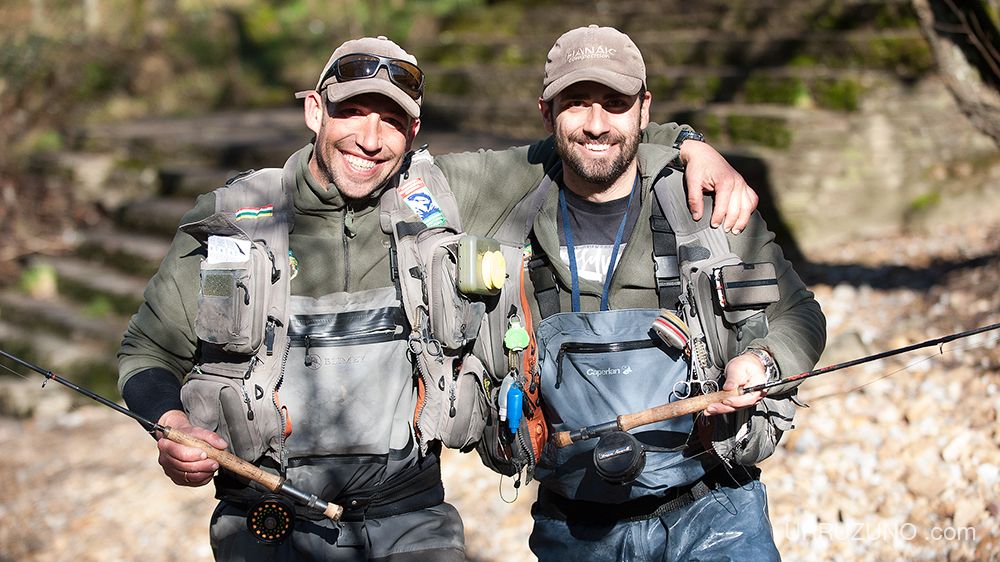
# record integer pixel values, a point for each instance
(671, 410)
(226, 460)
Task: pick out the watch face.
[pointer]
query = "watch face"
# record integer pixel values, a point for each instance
(685, 135)
(693, 135)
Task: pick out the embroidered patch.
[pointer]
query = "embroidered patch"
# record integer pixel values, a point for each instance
(419, 199)
(255, 212)
(293, 265)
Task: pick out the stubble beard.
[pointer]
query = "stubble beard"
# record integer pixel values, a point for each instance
(599, 172)
(349, 187)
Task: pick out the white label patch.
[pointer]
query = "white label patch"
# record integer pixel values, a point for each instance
(225, 249)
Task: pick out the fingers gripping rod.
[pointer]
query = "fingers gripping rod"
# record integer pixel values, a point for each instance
(226, 460)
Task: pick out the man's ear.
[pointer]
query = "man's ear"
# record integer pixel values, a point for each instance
(647, 99)
(412, 133)
(313, 111)
(545, 108)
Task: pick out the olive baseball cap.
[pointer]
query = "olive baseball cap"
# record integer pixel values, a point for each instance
(380, 83)
(596, 54)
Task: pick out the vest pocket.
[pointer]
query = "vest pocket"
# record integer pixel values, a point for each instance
(454, 410)
(232, 305)
(222, 403)
(454, 319)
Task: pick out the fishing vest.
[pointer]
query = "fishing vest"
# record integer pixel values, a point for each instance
(599, 346)
(269, 360)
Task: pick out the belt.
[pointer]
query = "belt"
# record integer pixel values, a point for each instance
(404, 493)
(413, 489)
(551, 504)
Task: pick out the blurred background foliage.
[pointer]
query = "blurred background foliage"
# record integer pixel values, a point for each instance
(66, 62)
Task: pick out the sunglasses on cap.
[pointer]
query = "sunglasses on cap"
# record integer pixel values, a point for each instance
(406, 75)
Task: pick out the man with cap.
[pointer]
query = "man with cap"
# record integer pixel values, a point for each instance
(698, 496)
(296, 358)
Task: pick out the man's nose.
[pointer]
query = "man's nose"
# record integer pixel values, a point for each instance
(369, 138)
(597, 121)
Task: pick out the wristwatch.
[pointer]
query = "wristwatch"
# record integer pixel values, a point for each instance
(686, 134)
(770, 367)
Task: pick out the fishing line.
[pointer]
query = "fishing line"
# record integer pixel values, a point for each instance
(940, 353)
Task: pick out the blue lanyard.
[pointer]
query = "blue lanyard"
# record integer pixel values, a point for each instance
(568, 230)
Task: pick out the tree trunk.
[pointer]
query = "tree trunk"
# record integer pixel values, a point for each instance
(966, 45)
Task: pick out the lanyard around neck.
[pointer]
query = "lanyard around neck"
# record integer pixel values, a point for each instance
(568, 230)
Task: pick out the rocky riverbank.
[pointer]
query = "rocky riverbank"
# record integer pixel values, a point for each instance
(904, 467)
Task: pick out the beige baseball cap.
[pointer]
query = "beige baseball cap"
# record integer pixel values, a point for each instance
(380, 83)
(597, 54)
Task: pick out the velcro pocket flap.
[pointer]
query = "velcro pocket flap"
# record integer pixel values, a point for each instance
(232, 301)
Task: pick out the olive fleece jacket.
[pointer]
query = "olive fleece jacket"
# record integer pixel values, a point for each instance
(338, 244)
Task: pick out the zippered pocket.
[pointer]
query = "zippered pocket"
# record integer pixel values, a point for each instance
(569, 348)
(354, 390)
(347, 329)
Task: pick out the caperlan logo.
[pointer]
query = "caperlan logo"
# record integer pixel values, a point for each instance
(585, 53)
(623, 370)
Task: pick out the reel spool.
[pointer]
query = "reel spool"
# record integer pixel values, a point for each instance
(672, 330)
(271, 520)
(619, 458)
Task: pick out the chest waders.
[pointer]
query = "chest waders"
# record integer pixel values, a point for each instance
(598, 364)
(321, 389)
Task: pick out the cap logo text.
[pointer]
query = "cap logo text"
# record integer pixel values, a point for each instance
(584, 53)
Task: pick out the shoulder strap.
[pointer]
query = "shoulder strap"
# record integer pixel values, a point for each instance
(700, 249)
(666, 269)
(423, 192)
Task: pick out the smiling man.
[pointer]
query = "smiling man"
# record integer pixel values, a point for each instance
(296, 358)
(680, 489)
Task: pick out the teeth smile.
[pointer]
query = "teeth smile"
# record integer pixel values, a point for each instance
(597, 147)
(359, 164)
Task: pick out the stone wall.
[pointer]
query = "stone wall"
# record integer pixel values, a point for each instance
(833, 110)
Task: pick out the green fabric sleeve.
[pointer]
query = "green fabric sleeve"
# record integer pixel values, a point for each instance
(796, 324)
(488, 183)
(161, 333)
(664, 134)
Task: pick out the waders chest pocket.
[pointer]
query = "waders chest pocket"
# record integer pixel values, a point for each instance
(232, 308)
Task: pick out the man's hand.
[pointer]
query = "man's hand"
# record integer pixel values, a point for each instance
(187, 466)
(743, 371)
(708, 171)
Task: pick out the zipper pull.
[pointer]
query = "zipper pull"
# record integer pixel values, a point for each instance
(451, 398)
(306, 360)
(269, 334)
(246, 400)
(275, 272)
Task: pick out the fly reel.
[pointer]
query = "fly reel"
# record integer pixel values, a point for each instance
(619, 458)
(271, 520)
